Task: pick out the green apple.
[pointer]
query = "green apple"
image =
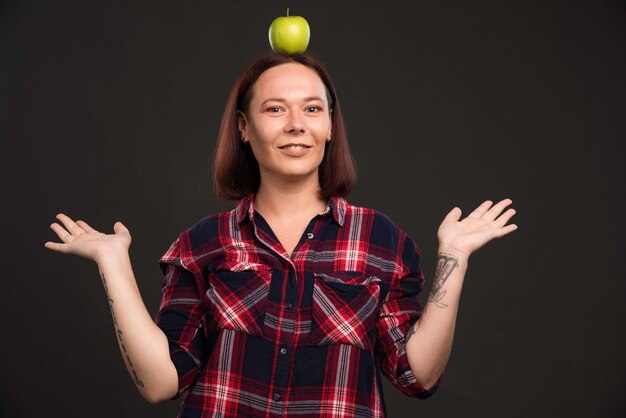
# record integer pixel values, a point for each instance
(290, 34)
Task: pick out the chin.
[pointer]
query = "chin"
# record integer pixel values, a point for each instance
(298, 174)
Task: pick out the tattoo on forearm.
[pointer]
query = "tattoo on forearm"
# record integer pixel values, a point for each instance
(119, 334)
(446, 263)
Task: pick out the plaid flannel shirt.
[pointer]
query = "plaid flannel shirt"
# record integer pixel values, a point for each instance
(254, 332)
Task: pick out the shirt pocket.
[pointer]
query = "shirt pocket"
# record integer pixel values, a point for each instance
(344, 309)
(238, 295)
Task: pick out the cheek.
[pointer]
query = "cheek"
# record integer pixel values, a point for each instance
(265, 131)
(324, 131)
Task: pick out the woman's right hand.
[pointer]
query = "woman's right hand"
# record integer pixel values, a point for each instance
(81, 239)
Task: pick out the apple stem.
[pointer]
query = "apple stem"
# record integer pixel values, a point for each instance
(287, 11)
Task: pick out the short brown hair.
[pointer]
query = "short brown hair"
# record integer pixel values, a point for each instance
(236, 171)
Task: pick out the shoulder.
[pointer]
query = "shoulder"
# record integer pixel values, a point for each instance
(211, 227)
(379, 223)
(383, 229)
(202, 229)
(200, 240)
(384, 235)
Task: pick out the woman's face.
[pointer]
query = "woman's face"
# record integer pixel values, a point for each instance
(287, 123)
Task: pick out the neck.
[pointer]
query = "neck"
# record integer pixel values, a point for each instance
(289, 201)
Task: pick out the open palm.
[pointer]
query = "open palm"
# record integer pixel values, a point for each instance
(485, 223)
(81, 239)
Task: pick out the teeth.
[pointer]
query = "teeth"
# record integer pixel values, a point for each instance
(294, 147)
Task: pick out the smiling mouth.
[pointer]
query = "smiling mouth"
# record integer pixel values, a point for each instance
(294, 147)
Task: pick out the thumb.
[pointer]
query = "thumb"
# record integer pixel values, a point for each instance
(453, 215)
(119, 227)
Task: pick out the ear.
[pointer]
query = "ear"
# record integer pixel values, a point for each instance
(242, 124)
(330, 126)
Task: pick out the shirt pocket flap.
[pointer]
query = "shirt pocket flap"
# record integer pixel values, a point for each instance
(344, 309)
(236, 266)
(238, 295)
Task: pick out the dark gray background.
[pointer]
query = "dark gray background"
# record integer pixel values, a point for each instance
(110, 109)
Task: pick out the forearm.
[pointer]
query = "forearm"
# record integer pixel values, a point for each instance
(142, 343)
(429, 340)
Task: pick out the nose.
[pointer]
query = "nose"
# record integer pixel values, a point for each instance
(295, 123)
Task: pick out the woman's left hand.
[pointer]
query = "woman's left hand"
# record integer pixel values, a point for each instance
(485, 223)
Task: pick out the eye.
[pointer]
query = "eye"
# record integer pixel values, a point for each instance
(273, 109)
(313, 109)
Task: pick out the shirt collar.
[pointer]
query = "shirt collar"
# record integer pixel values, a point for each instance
(336, 206)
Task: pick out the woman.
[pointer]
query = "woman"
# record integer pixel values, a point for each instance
(295, 301)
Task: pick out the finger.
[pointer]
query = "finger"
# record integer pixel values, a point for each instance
(85, 226)
(70, 225)
(506, 230)
(62, 233)
(505, 217)
(55, 246)
(496, 210)
(480, 210)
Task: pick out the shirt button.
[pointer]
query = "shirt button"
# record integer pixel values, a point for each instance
(283, 351)
(277, 396)
(288, 305)
(310, 235)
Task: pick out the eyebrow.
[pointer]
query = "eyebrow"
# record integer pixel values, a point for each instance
(277, 99)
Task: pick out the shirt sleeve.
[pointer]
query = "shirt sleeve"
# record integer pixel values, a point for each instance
(180, 316)
(399, 310)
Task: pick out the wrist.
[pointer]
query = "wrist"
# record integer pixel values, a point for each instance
(115, 269)
(449, 250)
(112, 258)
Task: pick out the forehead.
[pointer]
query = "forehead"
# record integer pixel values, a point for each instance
(291, 80)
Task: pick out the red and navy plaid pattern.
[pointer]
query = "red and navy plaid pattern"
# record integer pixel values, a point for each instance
(254, 332)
